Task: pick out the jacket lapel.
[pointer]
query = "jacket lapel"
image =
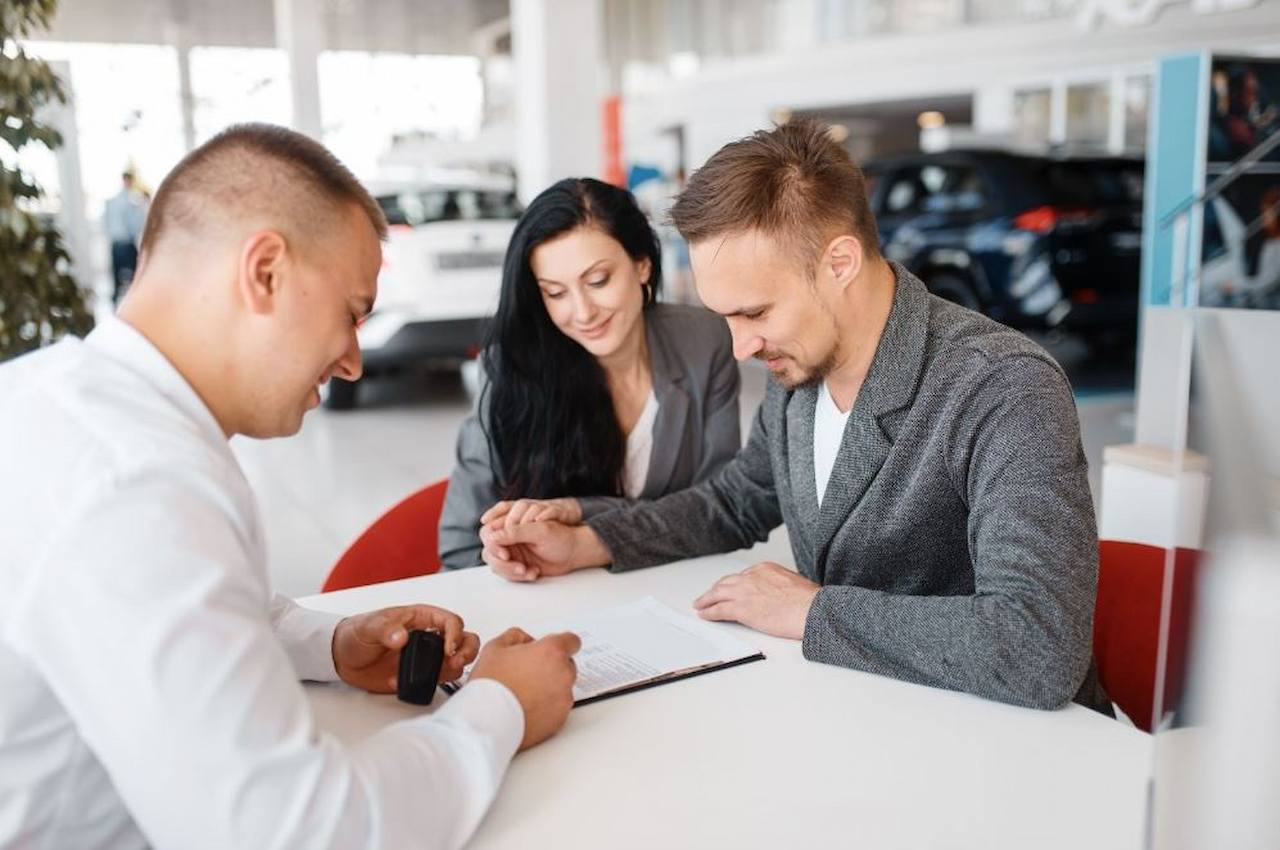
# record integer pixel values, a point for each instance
(890, 386)
(802, 479)
(673, 414)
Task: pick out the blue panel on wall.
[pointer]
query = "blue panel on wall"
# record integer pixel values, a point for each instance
(1175, 175)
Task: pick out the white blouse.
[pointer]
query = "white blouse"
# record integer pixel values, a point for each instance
(639, 449)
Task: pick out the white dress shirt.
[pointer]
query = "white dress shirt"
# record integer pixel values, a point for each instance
(828, 434)
(149, 685)
(635, 470)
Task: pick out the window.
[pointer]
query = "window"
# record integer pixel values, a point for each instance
(1137, 91)
(934, 177)
(904, 194)
(414, 208)
(1088, 115)
(1031, 118)
(953, 188)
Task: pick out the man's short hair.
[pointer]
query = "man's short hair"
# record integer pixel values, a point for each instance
(257, 172)
(794, 183)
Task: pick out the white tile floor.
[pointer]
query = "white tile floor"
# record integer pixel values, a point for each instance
(318, 490)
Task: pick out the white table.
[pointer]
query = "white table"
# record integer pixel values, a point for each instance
(781, 753)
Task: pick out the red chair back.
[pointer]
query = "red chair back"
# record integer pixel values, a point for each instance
(402, 543)
(1126, 624)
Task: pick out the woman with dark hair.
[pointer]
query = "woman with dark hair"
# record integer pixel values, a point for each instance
(592, 392)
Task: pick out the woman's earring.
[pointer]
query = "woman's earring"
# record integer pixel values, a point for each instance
(648, 292)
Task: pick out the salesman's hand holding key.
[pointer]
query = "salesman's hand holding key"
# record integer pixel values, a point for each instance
(540, 673)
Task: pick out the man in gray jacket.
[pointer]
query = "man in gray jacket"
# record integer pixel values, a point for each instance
(926, 460)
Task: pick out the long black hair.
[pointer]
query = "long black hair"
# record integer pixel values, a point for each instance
(551, 423)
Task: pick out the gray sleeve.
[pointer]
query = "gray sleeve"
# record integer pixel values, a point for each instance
(472, 491)
(1024, 636)
(735, 508)
(593, 506)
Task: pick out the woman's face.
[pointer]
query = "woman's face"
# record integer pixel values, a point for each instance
(591, 287)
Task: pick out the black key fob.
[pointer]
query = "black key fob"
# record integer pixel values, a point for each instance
(420, 663)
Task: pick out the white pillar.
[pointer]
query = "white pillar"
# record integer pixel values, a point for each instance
(1116, 112)
(73, 218)
(1058, 112)
(993, 111)
(559, 89)
(179, 37)
(799, 23)
(299, 32)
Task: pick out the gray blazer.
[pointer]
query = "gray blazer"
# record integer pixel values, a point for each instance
(955, 545)
(695, 381)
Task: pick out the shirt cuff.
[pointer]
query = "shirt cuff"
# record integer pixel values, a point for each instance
(490, 709)
(307, 636)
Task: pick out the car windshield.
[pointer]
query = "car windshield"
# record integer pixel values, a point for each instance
(424, 207)
(1094, 183)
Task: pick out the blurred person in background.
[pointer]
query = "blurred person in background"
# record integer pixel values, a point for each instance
(123, 218)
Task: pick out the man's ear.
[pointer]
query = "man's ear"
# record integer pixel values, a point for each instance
(263, 261)
(844, 260)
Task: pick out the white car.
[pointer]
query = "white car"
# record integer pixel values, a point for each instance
(441, 274)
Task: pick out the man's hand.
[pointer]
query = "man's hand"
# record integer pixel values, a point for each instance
(567, 511)
(540, 673)
(767, 597)
(529, 550)
(366, 647)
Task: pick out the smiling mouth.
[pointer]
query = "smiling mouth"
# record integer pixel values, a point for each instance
(598, 330)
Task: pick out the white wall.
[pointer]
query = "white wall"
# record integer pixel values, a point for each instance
(727, 99)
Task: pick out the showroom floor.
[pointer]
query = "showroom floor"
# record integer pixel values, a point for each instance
(317, 491)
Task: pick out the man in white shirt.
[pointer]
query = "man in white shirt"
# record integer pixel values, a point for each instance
(149, 687)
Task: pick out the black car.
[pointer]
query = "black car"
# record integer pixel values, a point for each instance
(1032, 241)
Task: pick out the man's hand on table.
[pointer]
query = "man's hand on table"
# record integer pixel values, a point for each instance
(525, 551)
(767, 597)
(366, 647)
(539, 672)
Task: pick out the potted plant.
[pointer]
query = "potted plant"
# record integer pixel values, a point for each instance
(39, 300)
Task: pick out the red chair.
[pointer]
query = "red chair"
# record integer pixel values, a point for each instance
(402, 543)
(1126, 625)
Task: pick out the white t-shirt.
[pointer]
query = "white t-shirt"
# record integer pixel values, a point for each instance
(639, 448)
(149, 686)
(828, 432)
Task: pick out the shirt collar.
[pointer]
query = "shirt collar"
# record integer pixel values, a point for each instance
(126, 345)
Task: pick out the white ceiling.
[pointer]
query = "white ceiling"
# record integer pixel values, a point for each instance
(401, 26)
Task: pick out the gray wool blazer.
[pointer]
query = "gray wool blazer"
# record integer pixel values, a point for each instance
(955, 544)
(695, 382)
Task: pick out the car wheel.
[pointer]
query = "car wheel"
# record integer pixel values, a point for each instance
(954, 289)
(342, 394)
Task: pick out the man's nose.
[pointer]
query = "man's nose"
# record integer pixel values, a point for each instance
(350, 365)
(745, 346)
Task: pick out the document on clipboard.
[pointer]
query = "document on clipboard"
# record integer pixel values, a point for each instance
(641, 644)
